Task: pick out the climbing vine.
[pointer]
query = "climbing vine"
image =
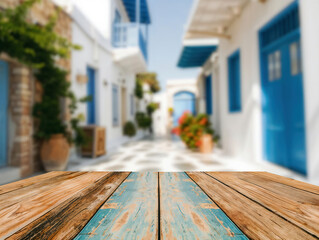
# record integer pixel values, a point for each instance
(39, 48)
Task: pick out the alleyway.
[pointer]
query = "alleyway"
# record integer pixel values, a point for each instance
(166, 155)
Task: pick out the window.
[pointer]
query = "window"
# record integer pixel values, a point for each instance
(115, 105)
(234, 92)
(295, 58)
(274, 66)
(116, 27)
(117, 18)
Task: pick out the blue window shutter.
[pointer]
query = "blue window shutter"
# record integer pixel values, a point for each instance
(234, 85)
(209, 95)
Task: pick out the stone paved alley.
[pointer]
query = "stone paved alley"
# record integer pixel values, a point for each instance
(166, 155)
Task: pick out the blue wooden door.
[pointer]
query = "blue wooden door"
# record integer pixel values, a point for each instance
(209, 95)
(282, 88)
(283, 105)
(3, 112)
(91, 93)
(183, 101)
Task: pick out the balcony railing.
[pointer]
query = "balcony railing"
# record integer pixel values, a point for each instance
(129, 35)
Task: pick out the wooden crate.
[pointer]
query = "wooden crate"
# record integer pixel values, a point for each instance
(96, 141)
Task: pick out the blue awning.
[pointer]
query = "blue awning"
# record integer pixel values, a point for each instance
(130, 6)
(195, 56)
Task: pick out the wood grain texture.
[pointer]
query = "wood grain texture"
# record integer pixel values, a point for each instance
(66, 220)
(253, 219)
(297, 206)
(187, 212)
(19, 215)
(27, 182)
(130, 213)
(22, 194)
(287, 181)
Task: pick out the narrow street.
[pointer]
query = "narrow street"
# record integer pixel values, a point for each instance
(166, 155)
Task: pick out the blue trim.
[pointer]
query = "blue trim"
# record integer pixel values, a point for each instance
(195, 56)
(130, 7)
(209, 95)
(91, 92)
(284, 136)
(4, 88)
(234, 82)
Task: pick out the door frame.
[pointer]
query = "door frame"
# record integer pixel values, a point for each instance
(4, 137)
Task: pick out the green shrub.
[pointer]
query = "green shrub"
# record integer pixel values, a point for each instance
(151, 108)
(129, 129)
(139, 92)
(143, 120)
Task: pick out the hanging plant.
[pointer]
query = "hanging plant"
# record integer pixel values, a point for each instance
(39, 47)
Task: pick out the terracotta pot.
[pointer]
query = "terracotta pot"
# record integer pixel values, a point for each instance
(55, 153)
(207, 144)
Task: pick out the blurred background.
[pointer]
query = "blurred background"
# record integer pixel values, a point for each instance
(147, 85)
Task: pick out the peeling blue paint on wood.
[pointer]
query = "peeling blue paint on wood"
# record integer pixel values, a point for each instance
(188, 213)
(130, 213)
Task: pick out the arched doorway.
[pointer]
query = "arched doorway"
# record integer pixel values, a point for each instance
(183, 101)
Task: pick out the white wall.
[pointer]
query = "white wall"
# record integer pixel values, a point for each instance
(241, 133)
(310, 39)
(97, 54)
(161, 115)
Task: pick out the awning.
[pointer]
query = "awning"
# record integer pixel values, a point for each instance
(195, 55)
(130, 6)
(211, 18)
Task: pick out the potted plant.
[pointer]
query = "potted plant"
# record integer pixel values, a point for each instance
(196, 132)
(40, 48)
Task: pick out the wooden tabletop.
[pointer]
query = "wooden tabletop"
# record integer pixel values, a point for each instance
(123, 205)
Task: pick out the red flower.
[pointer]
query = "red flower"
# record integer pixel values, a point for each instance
(198, 143)
(203, 122)
(176, 131)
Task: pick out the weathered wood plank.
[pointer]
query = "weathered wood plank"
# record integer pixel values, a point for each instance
(287, 181)
(22, 194)
(253, 219)
(67, 219)
(130, 213)
(295, 205)
(19, 215)
(27, 182)
(187, 212)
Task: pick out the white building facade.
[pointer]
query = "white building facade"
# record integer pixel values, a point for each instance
(263, 74)
(114, 50)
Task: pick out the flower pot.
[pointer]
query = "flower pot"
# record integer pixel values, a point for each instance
(207, 144)
(55, 153)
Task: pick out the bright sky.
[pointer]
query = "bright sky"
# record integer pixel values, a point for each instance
(169, 19)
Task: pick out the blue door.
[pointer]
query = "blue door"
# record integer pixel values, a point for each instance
(183, 101)
(3, 112)
(282, 88)
(209, 95)
(91, 93)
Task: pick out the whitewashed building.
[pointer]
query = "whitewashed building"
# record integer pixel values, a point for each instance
(259, 82)
(114, 37)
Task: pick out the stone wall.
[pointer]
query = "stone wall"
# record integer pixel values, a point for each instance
(24, 90)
